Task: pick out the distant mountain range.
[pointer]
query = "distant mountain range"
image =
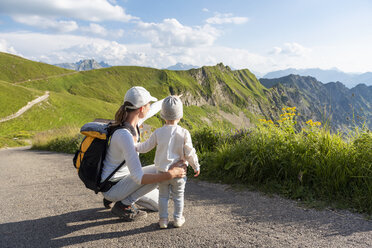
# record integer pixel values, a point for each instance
(326, 76)
(84, 65)
(181, 67)
(330, 102)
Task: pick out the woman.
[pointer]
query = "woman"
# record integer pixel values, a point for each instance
(132, 182)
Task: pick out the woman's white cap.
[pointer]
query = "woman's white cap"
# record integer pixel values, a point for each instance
(138, 96)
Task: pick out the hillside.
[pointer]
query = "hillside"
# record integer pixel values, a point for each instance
(334, 103)
(213, 95)
(16, 69)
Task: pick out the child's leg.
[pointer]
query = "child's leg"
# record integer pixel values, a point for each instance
(178, 189)
(164, 188)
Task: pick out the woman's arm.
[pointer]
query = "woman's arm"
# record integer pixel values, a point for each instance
(154, 108)
(176, 170)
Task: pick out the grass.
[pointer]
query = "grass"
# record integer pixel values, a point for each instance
(311, 165)
(14, 69)
(60, 110)
(10, 92)
(65, 139)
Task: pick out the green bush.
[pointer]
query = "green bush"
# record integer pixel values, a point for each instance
(309, 164)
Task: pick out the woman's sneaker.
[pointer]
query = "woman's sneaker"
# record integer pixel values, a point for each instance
(128, 212)
(107, 203)
(178, 222)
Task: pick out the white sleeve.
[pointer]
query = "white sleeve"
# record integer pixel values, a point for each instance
(154, 108)
(190, 152)
(148, 145)
(131, 157)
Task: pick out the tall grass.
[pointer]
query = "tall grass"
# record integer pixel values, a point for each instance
(307, 164)
(66, 139)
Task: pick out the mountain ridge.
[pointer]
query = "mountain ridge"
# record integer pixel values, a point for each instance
(84, 65)
(332, 102)
(325, 76)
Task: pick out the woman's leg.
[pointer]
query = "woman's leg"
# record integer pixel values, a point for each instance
(150, 200)
(128, 191)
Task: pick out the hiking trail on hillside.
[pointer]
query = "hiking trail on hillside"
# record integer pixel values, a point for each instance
(27, 107)
(47, 77)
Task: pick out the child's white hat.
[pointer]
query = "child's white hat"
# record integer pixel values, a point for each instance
(172, 108)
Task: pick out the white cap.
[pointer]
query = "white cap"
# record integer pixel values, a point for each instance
(138, 96)
(172, 108)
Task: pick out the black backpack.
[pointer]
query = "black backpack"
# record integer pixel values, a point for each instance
(88, 160)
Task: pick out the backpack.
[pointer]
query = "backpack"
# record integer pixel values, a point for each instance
(88, 160)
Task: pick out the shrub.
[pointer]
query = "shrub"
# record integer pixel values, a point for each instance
(306, 164)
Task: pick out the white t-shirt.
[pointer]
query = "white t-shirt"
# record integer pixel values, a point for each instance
(173, 143)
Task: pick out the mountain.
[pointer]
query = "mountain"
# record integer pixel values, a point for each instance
(84, 65)
(181, 67)
(325, 76)
(333, 102)
(212, 95)
(15, 69)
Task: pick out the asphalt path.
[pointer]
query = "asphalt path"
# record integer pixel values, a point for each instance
(43, 204)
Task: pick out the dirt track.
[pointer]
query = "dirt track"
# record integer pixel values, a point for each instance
(26, 107)
(43, 204)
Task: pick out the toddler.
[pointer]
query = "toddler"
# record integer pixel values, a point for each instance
(173, 143)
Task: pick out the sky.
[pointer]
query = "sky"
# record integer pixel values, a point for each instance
(262, 36)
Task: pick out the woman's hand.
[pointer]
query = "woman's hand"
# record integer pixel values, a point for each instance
(178, 169)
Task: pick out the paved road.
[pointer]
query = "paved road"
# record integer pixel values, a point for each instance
(43, 204)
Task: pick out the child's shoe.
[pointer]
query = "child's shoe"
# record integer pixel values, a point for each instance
(178, 222)
(163, 223)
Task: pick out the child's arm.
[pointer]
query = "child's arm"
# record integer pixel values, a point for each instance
(190, 154)
(148, 145)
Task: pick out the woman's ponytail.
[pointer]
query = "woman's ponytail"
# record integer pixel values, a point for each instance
(122, 114)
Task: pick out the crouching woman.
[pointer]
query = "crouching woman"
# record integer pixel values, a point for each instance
(133, 183)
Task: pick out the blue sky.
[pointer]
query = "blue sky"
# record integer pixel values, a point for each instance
(262, 35)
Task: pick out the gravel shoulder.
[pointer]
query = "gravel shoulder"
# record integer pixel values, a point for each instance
(43, 204)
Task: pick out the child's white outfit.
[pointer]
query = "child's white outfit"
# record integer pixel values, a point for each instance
(173, 144)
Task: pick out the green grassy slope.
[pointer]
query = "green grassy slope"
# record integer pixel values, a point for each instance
(59, 110)
(83, 96)
(14, 97)
(14, 69)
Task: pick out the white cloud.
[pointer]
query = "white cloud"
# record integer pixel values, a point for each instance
(205, 10)
(89, 10)
(6, 48)
(108, 51)
(95, 29)
(171, 33)
(291, 49)
(47, 23)
(58, 48)
(227, 19)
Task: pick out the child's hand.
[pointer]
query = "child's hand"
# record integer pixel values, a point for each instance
(196, 173)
